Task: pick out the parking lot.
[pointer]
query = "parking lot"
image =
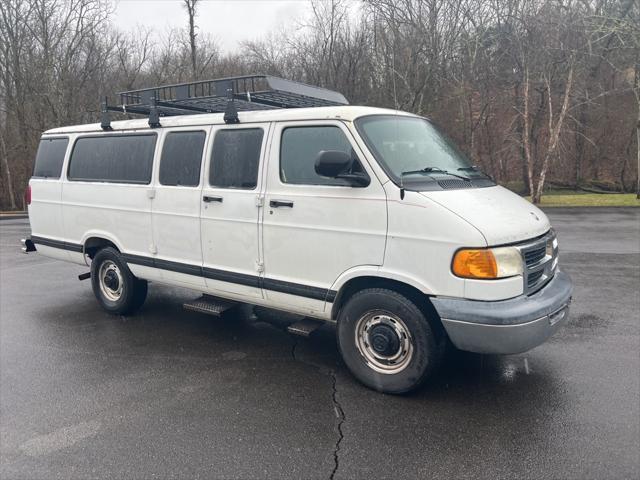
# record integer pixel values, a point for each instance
(175, 394)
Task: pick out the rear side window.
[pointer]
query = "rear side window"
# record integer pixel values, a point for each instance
(181, 159)
(50, 157)
(235, 158)
(299, 150)
(113, 158)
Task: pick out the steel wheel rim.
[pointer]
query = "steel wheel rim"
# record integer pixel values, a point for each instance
(108, 273)
(384, 363)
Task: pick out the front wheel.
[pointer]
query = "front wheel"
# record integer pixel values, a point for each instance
(118, 291)
(387, 342)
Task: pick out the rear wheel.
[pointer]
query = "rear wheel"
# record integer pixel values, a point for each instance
(387, 342)
(118, 291)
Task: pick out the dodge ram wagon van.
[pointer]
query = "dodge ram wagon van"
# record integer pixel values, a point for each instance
(286, 197)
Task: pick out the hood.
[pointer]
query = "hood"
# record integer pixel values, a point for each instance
(499, 214)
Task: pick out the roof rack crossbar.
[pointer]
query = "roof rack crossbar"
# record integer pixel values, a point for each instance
(249, 92)
(183, 106)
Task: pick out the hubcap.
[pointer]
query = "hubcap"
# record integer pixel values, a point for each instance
(110, 277)
(384, 342)
(111, 280)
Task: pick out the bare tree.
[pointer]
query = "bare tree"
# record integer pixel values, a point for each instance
(636, 92)
(54, 55)
(537, 92)
(191, 5)
(133, 52)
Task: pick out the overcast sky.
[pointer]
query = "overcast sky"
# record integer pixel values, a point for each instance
(229, 21)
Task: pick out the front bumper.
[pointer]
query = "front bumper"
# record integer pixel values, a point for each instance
(507, 326)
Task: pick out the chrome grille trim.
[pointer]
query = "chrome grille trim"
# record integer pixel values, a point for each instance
(539, 265)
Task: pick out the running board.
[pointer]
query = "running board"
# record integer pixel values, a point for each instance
(304, 327)
(209, 305)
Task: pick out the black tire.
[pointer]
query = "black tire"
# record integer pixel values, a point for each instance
(116, 300)
(382, 307)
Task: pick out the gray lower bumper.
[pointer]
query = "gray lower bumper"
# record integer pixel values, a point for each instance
(508, 326)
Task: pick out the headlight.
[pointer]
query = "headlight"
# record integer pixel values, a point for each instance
(487, 263)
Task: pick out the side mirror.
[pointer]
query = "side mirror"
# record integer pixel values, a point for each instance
(331, 163)
(336, 164)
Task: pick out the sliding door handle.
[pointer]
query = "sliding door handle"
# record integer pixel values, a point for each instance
(209, 199)
(281, 203)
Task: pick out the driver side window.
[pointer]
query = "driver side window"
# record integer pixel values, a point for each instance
(299, 148)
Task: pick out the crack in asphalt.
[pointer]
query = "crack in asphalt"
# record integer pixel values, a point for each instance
(337, 406)
(341, 419)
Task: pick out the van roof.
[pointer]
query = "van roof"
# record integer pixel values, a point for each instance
(345, 112)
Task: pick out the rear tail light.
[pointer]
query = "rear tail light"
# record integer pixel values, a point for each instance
(27, 195)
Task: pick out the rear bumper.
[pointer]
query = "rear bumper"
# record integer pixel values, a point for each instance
(508, 326)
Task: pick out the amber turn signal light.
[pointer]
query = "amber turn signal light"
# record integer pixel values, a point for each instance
(475, 264)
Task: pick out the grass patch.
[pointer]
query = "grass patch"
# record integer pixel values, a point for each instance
(589, 200)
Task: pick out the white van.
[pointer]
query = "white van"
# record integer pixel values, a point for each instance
(367, 218)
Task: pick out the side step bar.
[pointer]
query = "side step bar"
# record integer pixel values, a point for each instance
(27, 245)
(209, 305)
(304, 327)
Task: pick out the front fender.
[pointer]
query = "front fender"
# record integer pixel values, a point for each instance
(381, 272)
(378, 272)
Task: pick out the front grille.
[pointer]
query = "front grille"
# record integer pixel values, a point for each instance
(540, 261)
(534, 278)
(534, 256)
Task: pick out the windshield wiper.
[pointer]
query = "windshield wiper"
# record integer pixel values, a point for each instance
(434, 170)
(473, 168)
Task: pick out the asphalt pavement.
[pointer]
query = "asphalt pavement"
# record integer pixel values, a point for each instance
(174, 394)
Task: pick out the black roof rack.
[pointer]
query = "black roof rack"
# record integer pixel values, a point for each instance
(251, 92)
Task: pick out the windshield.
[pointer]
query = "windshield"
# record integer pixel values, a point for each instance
(412, 146)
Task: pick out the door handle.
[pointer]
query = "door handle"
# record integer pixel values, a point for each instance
(209, 199)
(281, 203)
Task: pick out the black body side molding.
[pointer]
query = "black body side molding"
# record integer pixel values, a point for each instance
(256, 281)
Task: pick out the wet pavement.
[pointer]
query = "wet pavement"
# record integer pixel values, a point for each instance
(175, 394)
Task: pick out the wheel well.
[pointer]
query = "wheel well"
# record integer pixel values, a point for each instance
(94, 244)
(412, 293)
